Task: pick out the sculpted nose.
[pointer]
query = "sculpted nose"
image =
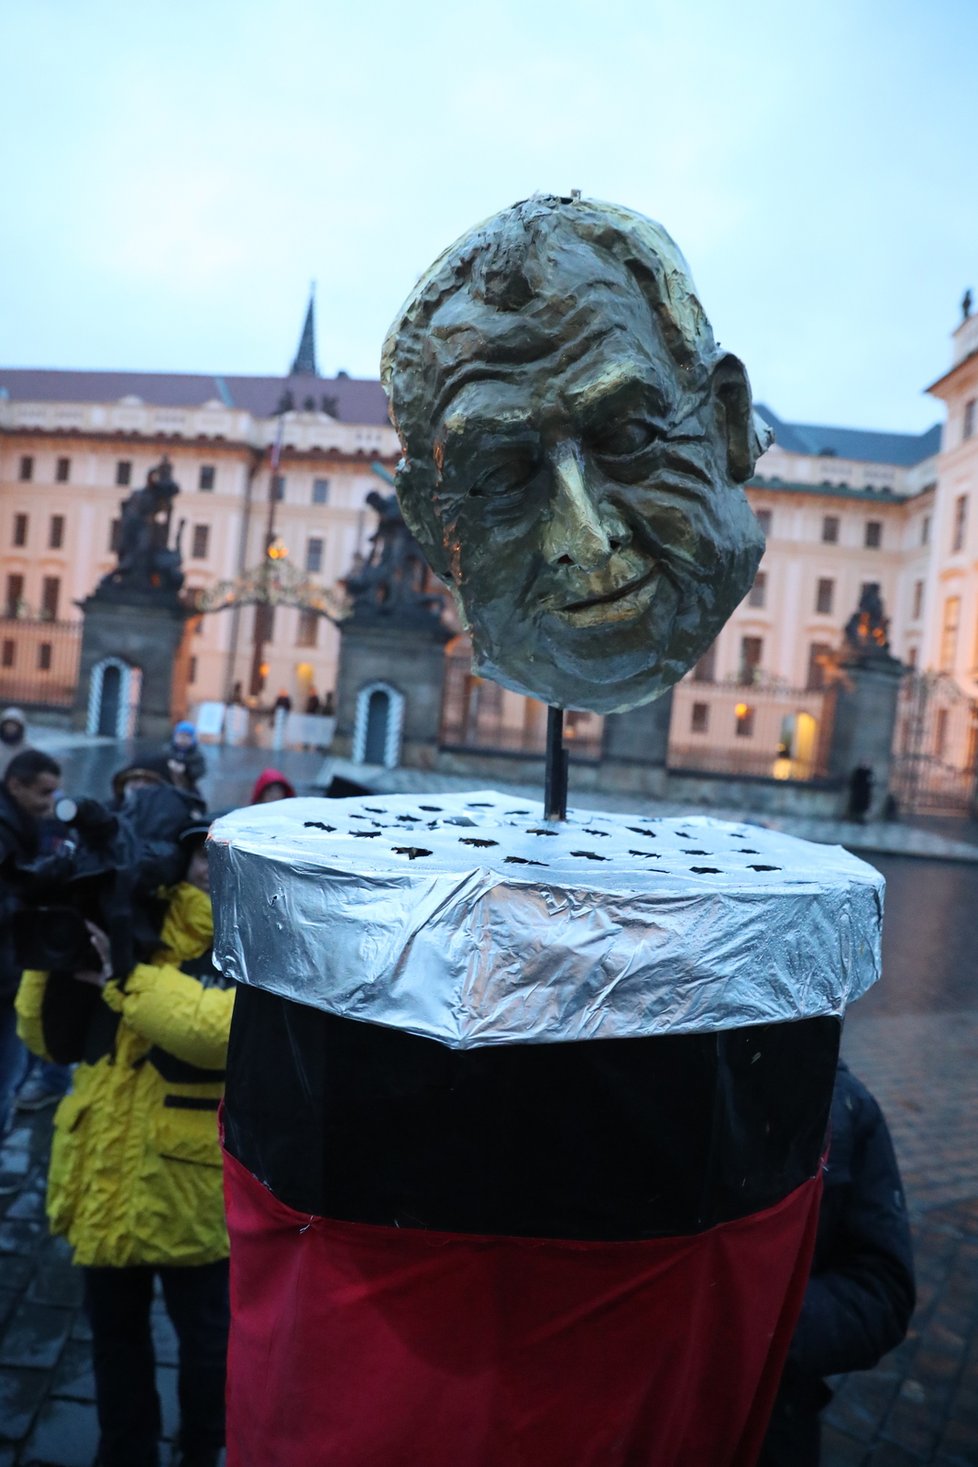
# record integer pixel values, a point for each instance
(576, 533)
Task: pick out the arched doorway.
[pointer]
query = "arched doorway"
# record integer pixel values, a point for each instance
(113, 699)
(805, 750)
(377, 729)
(108, 708)
(378, 717)
(797, 754)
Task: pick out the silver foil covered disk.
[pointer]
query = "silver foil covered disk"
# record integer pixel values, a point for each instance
(472, 920)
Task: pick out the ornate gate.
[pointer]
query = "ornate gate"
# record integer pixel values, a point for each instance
(935, 747)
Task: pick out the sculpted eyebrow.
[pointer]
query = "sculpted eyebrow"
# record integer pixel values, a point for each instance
(617, 389)
(457, 423)
(470, 375)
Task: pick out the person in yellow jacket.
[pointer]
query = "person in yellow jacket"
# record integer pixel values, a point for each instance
(135, 1175)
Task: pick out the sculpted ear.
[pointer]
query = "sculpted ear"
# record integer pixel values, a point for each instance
(746, 438)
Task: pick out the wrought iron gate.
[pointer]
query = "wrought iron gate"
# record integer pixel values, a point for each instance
(39, 661)
(935, 746)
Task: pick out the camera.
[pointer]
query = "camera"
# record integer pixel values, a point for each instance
(54, 938)
(107, 870)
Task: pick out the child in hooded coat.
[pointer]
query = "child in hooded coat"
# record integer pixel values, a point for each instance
(270, 785)
(184, 751)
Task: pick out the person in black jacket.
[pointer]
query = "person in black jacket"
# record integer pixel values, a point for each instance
(26, 798)
(861, 1293)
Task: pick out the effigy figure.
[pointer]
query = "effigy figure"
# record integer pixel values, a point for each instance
(574, 446)
(525, 1116)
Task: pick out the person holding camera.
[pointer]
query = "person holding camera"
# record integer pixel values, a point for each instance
(135, 1174)
(26, 798)
(46, 1082)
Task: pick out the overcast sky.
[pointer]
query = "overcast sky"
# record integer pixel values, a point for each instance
(174, 174)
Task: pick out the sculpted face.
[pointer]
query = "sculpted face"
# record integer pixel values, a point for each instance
(573, 444)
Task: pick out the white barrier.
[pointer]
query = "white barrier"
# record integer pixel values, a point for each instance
(232, 723)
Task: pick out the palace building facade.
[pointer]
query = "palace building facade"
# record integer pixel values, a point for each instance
(73, 446)
(842, 509)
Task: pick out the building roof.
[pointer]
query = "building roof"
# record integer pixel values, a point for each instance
(305, 357)
(361, 400)
(967, 360)
(861, 444)
(349, 399)
(831, 491)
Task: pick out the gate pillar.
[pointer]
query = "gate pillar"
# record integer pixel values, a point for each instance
(141, 631)
(408, 663)
(637, 743)
(865, 717)
(394, 640)
(866, 689)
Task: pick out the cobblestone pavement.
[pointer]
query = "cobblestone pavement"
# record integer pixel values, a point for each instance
(47, 1393)
(913, 1039)
(919, 1406)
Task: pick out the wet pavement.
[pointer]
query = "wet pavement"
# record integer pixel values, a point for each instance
(913, 1039)
(88, 765)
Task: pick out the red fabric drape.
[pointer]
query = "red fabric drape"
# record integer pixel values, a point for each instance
(361, 1346)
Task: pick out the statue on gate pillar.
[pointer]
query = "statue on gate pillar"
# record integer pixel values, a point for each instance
(391, 581)
(867, 632)
(145, 561)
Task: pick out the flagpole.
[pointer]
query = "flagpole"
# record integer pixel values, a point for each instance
(263, 612)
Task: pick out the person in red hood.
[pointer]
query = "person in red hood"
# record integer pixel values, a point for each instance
(271, 784)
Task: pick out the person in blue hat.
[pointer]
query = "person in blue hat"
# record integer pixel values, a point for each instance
(187, 763)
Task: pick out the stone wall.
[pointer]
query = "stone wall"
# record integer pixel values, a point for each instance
(816, 799)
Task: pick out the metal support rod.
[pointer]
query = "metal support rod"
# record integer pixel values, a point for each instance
(555, 789)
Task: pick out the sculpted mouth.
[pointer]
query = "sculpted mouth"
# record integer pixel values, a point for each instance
(608, 598)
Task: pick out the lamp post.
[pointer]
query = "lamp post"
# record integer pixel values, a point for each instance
(264, 610)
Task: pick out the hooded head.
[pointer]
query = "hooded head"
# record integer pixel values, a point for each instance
(193, 844)
(184, 735)
(13, 728)
(270, 785)
(153, 769)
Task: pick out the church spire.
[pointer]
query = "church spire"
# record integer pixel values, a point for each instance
(305, 358)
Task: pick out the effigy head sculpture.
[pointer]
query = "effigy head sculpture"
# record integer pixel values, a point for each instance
(574, 449)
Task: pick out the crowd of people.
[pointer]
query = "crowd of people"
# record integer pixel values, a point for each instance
(112, 1009)
(125, 1029)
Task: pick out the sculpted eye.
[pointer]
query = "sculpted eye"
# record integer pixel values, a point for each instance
(507, 479)
(620, 440)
